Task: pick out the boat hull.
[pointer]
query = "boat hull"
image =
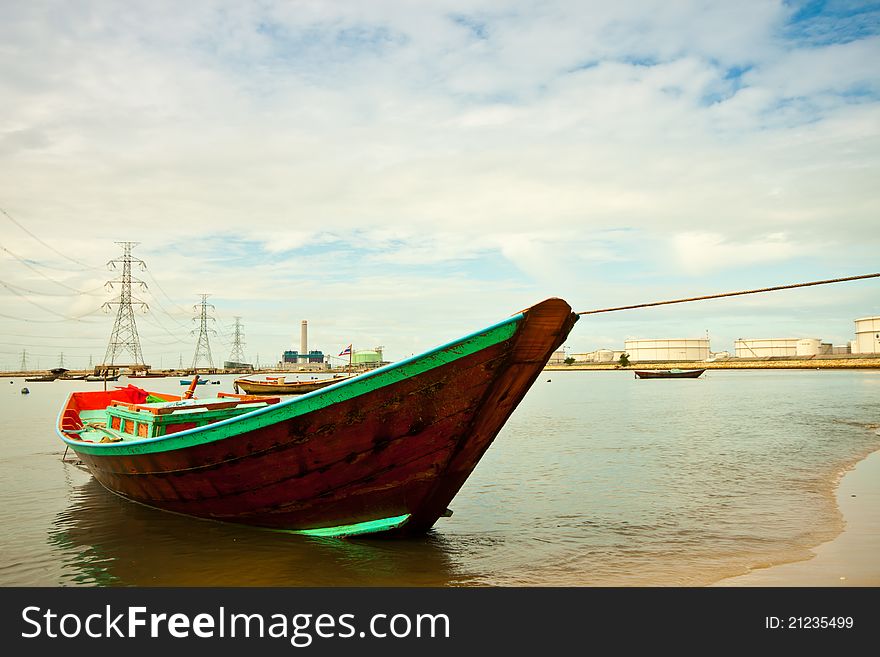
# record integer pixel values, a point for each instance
(396, 443)
(669, 374)
(272, 388)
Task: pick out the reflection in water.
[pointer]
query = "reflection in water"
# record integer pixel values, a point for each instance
(106, 540)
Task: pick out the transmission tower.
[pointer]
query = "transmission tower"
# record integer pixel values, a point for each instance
(203, 348)
(125, 336)
(23, 360)
(237, 353)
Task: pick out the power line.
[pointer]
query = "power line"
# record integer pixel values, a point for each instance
(53, 294)
(46, 321)
(48, 310)
(148, 320)
(48, 246)
(49, 337)
(162, 290)
(38, 272)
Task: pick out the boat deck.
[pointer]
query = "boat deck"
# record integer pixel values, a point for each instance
(125, 421)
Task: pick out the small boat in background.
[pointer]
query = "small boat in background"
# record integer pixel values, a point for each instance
(276, 385)
(669, 374)
(186, 382)
(41, 377)
(98, 377)
(52, 375)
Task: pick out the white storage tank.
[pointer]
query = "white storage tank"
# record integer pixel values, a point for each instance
(867, 336)
(557, 358)
(604, 356)
(765, 347)
(808, 347)
(684, 349)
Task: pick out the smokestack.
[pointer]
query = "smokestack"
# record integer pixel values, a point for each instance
(304, 342)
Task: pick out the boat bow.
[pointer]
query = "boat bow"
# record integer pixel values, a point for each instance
(395, 443)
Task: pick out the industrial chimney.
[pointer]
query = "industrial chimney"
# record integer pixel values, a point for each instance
(304, 342)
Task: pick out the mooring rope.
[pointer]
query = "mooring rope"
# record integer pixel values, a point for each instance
(729, 294)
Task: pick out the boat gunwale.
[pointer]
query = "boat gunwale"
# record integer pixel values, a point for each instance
(183, 439)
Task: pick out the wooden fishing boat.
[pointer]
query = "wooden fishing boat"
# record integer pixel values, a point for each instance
(276, 385)
(382, 452)
(98, 377)
(186, 382)
(669, 374)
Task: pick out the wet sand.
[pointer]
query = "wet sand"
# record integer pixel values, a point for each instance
(853, 557)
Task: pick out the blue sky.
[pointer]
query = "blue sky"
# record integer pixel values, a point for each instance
(402, 173)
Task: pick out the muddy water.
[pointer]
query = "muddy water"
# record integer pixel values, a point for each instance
(597, 479)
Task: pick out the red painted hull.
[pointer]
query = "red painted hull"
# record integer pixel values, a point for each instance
(404, 448)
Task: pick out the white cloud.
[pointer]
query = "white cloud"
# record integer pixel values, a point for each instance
(519, 133)
(701, 253)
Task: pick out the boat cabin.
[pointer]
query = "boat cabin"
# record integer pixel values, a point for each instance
(134, 414)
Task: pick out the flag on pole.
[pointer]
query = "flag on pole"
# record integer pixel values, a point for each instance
(346, 351)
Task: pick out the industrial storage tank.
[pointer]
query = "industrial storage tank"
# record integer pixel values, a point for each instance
(867, 336)
(808, 347)
(367, 357)
(669, 350)
(604, 356)
(557, 357)
(765, 347)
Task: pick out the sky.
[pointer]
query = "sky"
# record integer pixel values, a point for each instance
(405, 173)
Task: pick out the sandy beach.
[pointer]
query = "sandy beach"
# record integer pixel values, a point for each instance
(850, 559)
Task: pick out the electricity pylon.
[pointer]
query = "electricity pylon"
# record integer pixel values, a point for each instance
(237, 353)
(203, 347)
(124, 336)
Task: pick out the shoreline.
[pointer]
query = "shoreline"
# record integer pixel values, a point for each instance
(733, 364)
(852, 558)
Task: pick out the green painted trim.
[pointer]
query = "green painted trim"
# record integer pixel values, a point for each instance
(366, 527)
(313, 401)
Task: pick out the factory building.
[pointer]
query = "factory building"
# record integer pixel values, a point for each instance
(303, 358)
(780, 347)
(295, 357)
(867, 336)
(667, 350)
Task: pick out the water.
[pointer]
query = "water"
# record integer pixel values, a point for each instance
(597, 479)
